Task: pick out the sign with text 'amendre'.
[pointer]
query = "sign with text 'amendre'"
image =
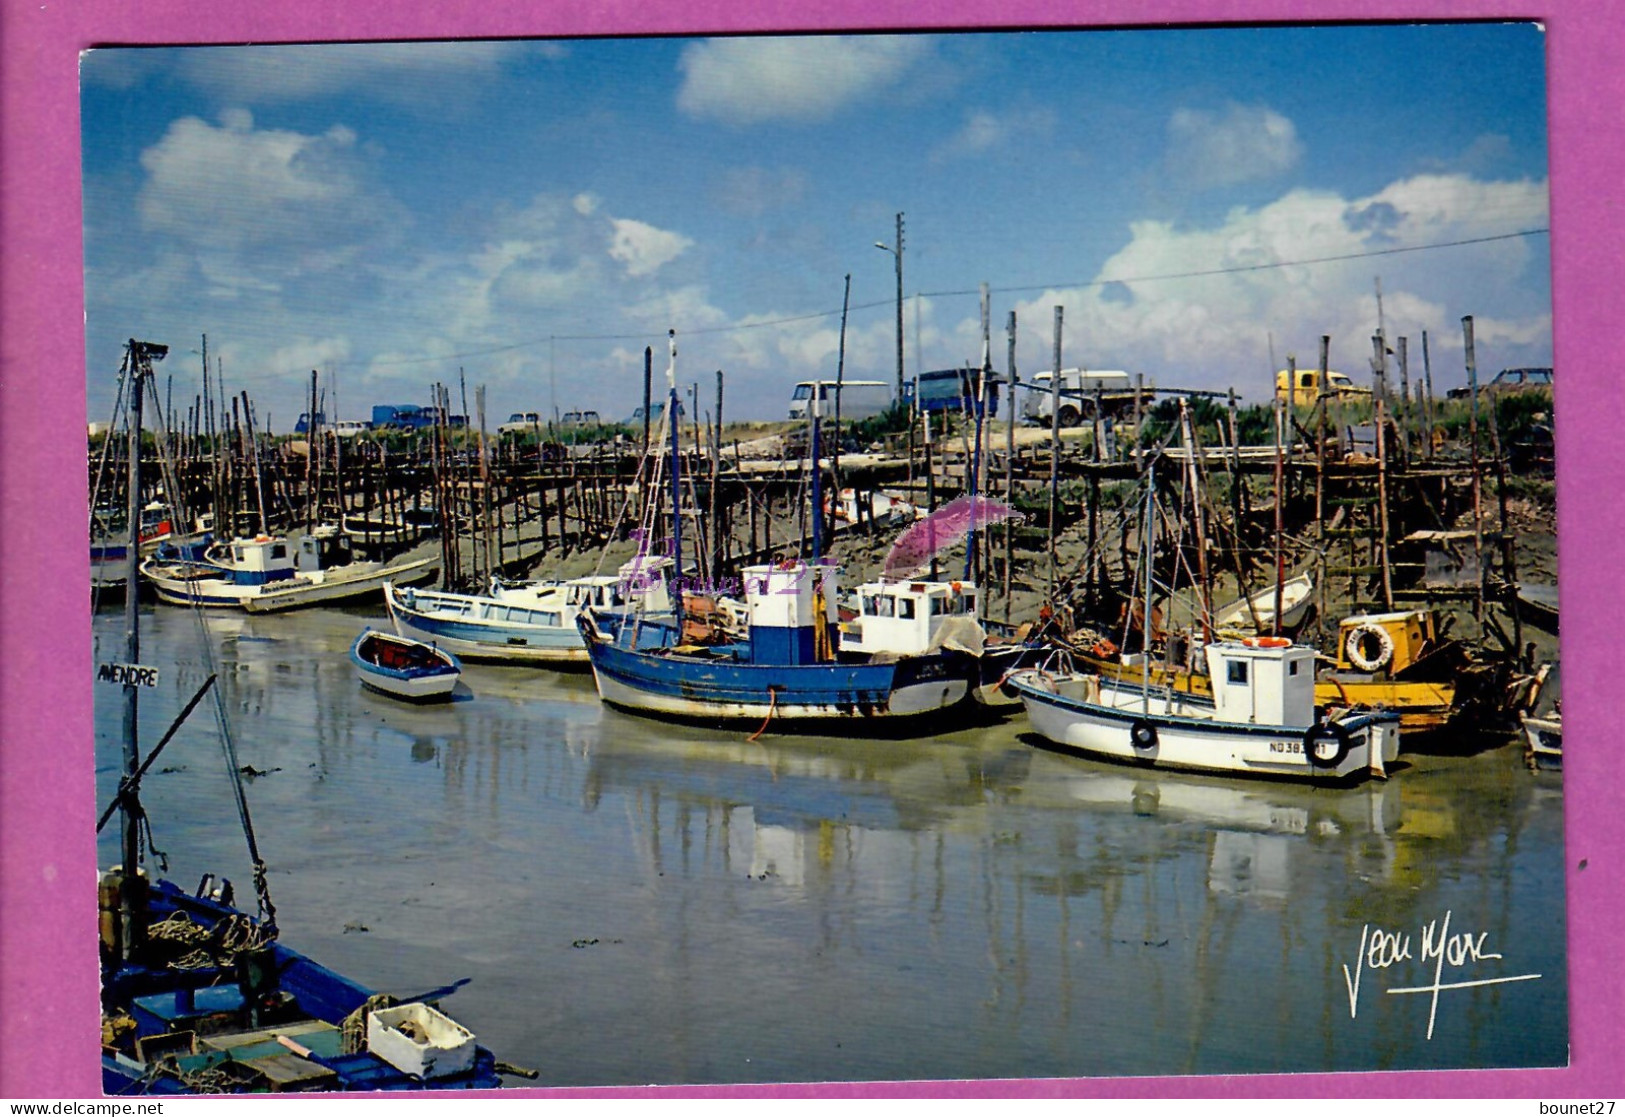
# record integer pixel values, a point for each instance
(127, 674)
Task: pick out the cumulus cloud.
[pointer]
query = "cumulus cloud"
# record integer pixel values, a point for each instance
(750, 80)
(1239, 143)
(1197, 307)
(230, 186)
(643, 248)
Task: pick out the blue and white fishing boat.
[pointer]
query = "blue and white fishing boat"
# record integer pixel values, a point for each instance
(1260, 721)
(199, 996)
(531, 623)
(403, 668)
(787, 668)
(270, 573)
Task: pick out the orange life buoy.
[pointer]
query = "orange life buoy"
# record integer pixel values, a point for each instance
(1267, 642)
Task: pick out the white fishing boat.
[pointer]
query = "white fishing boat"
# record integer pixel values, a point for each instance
(915, 617)
(1256, 614)
(1542, 720)
(269, 574)
(533, 622)
(1260, 720)
(403, 668)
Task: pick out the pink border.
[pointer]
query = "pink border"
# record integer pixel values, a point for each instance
(47, 969)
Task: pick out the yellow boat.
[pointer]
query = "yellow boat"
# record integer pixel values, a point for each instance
(1374, 651)
(1372, 648)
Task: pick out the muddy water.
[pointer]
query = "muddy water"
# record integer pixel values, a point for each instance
(637, 902)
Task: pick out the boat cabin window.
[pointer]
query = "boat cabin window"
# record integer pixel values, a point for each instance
(1236, 670)
(886, 606)
(1292, 668)
(939, 606)
(237, 554)
(905, 608)
(279, 550)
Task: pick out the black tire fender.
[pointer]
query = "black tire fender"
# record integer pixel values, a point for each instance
(1323, 731)
(1142, 735)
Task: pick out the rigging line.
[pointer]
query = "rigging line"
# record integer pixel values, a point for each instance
(1240, 268)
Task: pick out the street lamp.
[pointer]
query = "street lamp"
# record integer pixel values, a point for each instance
(897, 253)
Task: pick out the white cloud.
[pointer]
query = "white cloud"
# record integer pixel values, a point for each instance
(643, 248)
(985, 131)
(585, 204)
(750, 80)
(1214, 330)
(411, 73)
(231, 187)
(1240, 143)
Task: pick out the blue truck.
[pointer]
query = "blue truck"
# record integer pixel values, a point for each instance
(410, 417)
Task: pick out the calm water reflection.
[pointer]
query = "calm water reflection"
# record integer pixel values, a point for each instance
(639, 902)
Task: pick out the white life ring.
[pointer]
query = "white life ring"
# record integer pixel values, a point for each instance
(1354, 647)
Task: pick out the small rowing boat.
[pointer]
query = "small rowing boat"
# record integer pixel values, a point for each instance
(403, 668)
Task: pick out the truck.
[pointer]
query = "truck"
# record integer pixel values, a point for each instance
(953, 389)
(860, 399)
(410, 417)
(1305, 390)
(1080, 388)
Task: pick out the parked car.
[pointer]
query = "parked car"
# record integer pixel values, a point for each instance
(1510, 380)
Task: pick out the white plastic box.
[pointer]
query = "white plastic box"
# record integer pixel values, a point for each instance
(420, 1040)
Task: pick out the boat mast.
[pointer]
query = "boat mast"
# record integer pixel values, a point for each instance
(676, 460)
(138, 365)
(816, 409)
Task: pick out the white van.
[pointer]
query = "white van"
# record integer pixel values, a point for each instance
(860, 399)
(1036, 403)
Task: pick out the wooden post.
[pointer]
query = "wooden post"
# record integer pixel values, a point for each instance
(1282, 402)
(1404, 416)
(1472, 438)
(1320, 479)
(1427, 394)
(1009, 455)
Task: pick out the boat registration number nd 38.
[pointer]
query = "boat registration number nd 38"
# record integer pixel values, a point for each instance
(1286, 746)
(127, 674)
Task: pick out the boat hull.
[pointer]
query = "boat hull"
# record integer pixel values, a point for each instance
(472, 636)
(1113, 726)
(1544, 737)
(713, 688)
(405, 669)
(338, 584)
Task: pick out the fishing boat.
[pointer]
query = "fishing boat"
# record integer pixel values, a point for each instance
(1537, 604)
(915, 617)
(530, 623)
(269, 573)
(403, 668)
(199, 995)
(1255, 615)
(1397, 662)
(109, 541)
(1261, 719)
(787, 668)
(1542, 720)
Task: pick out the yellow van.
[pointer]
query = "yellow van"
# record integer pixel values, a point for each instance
(1306, 391)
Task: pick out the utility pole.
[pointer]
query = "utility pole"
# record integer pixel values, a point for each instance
(897, 254)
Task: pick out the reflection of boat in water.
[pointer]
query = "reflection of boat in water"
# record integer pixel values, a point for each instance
(1260, 721)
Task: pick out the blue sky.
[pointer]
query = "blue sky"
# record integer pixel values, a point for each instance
(536, 213)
